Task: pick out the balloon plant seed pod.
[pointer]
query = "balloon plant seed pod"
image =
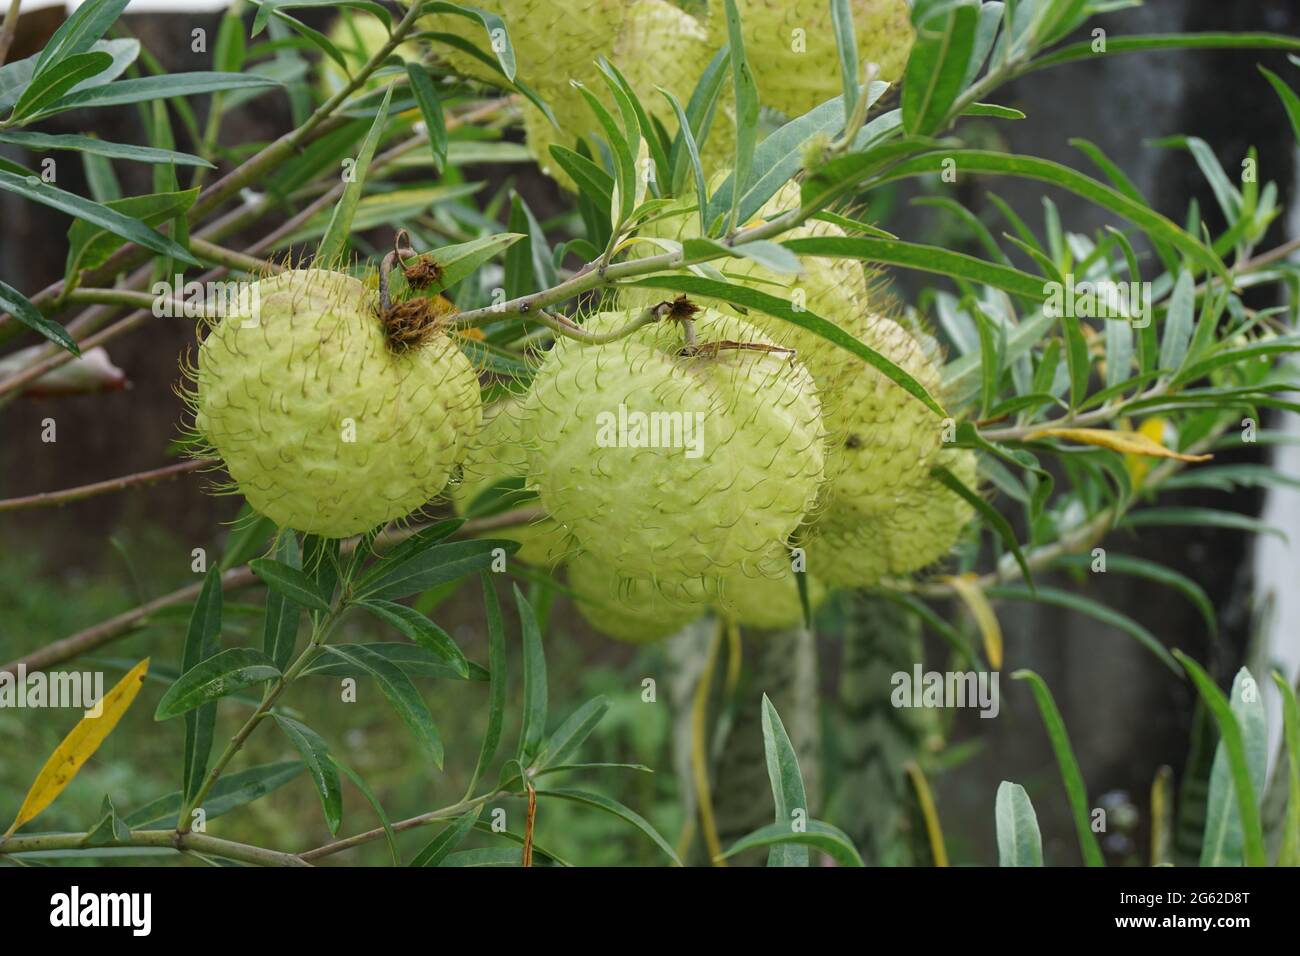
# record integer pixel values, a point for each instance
(688, 448)
(333, 413)
(791, 46)
(558, 43)
(632, 610)
(494, 472)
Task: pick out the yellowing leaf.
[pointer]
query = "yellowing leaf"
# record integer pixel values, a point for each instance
(985, 619)
(79, 745)
(1130, 443)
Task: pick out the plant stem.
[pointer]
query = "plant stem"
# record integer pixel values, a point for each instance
(433, 816)
(273, 692)
(48, 499)
(9, 29)
(197, 842)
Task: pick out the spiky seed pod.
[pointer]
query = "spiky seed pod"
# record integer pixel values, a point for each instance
(790, 45)
(631, 610)
(325, 426)
(652, 42)
(849, 549)
(669, 467)
(879, 438)
(358, 37)
(496, 456)
(768, 600)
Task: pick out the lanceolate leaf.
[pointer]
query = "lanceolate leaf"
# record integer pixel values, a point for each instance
(223, 673)
(413, 660)
(332, 246)
(990, 514)
(745, 99)
(78, 746)
(280, 629)
(782, 309)
(400, 692)
(496, 636)
(79, 32)
(787, 787)
(375, 805)
(1233, 745)
(52, 83)
(1084, 50)
(291, 582)
(38, 142)
(132, 229)
(421, 630)
(1223, 841)
(13, 302)
(609, 805)
(201, 642)
(831, 840)
(316, 755)
(1289, 853)
(156, 88)
(936, 69)
(1070, 774)
(1083, 605)
(424, 569)
(1028, 167)
(231, 791)
(1019, 841)
(498, 36)
(534, 722)
(446, 841)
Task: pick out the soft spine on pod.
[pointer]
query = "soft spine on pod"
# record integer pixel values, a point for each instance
(324, 424)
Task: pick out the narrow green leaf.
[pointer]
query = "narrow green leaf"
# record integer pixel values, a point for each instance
(745, 102)
(569, 736)
(1019, 841)
(1178, 324)
(1151, 571)
(413, 660)
(1223, 842)
(280, 628)
(1289, 853)
(936, 69)
(1199, 517)
(400, 693)
(534, 720)
(1070, 774)
(846, 46)
(609, 805)
(787, 787)
(1084, 50)
(213, 678)
(375, 805)
(498, 34)
(292, 582)
(324, 772)
(106, 218)
(201, 643)
(16, 304)
(1233, 746)
(230, 792)
(433, 566)
(147, 88)
(87, 24)
(460, 260)
(421, 630)
(991, 516)
(782, 309)
(431, 109)
(52, 83)
(451, 837)
(1083, 605)
(335, 241)
(496, 635)
(831, 840)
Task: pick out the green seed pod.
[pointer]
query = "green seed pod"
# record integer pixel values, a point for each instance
(791, 48)
(497, 456)
(671, 467)
(768, 601)
(630, 610)
(323, 424)
(879, 438)
(651, 42)
(849, 549)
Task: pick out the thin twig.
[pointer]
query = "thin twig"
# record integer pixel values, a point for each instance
(9, 30)
(48, 499)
